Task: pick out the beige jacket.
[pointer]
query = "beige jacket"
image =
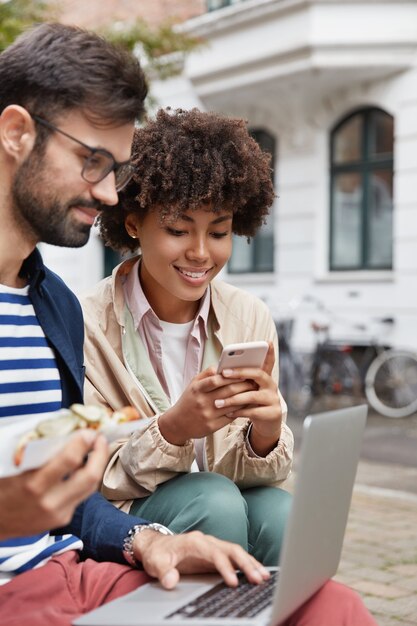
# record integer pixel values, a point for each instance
(118, 373)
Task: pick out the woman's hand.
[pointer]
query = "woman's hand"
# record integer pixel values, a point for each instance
(261, 404)
(196, 413)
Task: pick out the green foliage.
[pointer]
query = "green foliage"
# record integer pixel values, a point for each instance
(18, 15)
(164, 47)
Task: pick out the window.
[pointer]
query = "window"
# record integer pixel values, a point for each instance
(213, 5)
(361, 192)
(258, 254)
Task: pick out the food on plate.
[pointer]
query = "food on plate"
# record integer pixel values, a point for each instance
(76, 417)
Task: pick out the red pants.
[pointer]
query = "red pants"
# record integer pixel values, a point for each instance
(64, 588)
(333, 605)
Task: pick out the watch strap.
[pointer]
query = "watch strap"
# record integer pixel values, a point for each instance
(130, 537)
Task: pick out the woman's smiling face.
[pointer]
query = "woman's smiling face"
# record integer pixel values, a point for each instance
(180, 257)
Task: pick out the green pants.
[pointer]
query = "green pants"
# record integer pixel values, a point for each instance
(254, 518)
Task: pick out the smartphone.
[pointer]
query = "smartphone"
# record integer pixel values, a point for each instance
(249, 354)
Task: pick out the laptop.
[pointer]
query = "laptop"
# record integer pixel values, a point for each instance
(310, 552)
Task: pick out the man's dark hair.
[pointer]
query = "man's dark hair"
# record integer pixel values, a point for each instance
(54, 68)
(189, 160)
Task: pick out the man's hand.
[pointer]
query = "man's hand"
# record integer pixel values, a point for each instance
(166, 557)
(45, 498)
(195, 414)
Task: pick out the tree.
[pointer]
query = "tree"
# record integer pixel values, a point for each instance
(18, 15)
(163, 47)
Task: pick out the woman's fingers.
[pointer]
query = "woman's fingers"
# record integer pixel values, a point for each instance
(269, 362)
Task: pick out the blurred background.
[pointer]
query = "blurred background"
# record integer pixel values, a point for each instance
(329, 88)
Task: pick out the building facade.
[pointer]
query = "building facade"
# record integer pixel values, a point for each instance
(329, 87)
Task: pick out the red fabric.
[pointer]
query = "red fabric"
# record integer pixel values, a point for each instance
(333, 605)
(64, 588)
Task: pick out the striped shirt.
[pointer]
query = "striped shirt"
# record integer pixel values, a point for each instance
(29, 386)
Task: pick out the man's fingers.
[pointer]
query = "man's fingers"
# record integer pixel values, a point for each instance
(85, 479)
(73, 484)
(230, 557)
(254, 571)
(224, 566)
(66, 461)
(211, 554)
(170, 579)
(166, 557)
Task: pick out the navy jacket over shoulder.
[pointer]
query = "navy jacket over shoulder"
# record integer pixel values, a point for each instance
(98, 523)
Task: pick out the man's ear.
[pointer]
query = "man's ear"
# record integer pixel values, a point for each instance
(17, 132)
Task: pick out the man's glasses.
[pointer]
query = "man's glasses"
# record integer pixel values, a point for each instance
(100, 162)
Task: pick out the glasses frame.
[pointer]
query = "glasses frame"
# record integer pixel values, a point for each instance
(114, 167)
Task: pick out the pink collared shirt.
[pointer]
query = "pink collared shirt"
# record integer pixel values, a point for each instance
(150, 331)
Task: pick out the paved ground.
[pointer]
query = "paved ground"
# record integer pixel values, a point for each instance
(379, 558)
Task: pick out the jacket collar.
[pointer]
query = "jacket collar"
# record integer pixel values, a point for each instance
(118, 277)
(33, 269)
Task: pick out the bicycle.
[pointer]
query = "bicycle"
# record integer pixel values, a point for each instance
(386, 376)
(328, 374)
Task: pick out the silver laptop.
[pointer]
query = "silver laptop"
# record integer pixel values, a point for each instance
(310, 553)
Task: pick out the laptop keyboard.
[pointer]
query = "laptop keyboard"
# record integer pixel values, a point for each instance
(246, 600)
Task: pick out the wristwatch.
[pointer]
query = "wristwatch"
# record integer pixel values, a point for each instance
(130, 537)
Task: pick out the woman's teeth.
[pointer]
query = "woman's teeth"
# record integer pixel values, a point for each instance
(193, 274)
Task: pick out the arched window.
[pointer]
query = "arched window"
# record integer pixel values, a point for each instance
(361, 171)
(258, 254)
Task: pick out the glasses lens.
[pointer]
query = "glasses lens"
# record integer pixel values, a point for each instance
(123, 174)
(100, 164)
(97, 167)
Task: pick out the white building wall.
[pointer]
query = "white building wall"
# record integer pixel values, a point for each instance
(301, 116)
(302, 237)
(264, 70)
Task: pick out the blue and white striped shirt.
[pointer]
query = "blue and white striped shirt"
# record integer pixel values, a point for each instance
(29, 385)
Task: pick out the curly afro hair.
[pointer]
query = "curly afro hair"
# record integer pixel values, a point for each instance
(187, 160)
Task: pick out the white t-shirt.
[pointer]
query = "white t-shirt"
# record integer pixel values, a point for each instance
(174, 347)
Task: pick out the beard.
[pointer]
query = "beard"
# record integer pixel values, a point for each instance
(40, 212)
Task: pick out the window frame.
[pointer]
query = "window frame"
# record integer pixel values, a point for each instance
(224, 3)
(256, 132)
(364, 166)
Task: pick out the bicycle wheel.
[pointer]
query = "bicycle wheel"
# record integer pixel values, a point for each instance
(391, 383)
(336, 380)
(293, 386)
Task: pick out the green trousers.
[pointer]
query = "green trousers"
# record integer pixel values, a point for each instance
(254, 518)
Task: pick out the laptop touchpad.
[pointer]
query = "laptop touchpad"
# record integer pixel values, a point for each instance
(153, 592)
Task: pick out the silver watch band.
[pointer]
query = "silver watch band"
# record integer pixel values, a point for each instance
(130, 537)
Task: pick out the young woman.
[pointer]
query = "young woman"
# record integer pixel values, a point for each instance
(155, 330)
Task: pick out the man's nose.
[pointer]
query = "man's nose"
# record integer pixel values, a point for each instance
(105, 190)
